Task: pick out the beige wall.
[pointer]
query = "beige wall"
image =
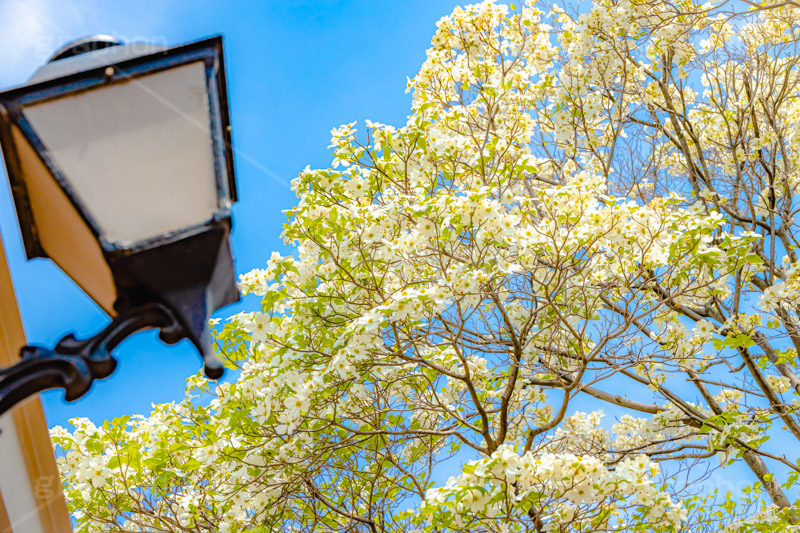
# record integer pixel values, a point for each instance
(31, 499)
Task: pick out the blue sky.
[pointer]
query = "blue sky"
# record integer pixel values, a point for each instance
(295, 70)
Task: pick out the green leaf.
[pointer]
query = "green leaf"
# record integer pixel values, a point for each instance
(740, 341)
(191, 465)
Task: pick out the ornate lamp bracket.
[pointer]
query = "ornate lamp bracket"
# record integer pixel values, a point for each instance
(74, 364)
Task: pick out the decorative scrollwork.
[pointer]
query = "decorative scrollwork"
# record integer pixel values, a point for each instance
(74, 364)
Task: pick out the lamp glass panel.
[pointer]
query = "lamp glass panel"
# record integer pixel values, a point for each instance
(138, 154)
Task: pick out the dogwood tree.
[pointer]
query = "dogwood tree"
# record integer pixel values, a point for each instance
(590, 209)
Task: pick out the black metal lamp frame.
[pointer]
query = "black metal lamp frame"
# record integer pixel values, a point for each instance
(172, 283)
(12, 103)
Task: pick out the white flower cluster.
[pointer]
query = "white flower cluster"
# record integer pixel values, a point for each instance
(570, 484)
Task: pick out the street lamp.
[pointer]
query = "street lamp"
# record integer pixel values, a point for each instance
(120, 163)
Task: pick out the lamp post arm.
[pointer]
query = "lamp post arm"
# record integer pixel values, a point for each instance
(74, 364)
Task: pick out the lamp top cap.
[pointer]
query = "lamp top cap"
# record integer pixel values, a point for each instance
(83, 45)
(97, 51)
